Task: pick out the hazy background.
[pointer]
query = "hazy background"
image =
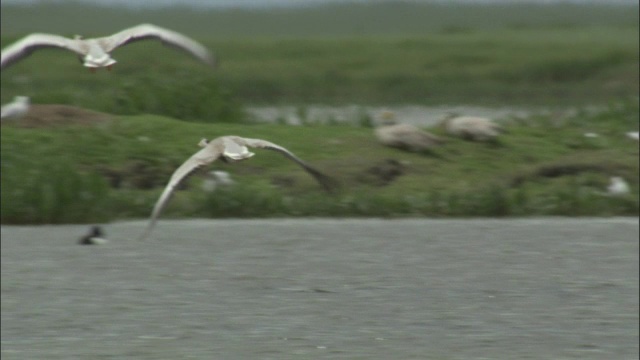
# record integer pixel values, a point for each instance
(298, 3)
(226, 19)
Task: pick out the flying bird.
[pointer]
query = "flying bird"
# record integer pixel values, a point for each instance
(16, 109)
(228, 149)
(96, 52)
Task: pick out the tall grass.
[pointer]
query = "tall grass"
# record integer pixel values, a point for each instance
(53, 195)
(391, 54)
(375, 18)
(549, 66)
(191, 99)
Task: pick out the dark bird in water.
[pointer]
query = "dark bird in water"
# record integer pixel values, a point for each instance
(94, 237)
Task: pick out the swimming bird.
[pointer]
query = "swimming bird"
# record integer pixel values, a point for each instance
(94, 237)
(95, 52)
(228, 149)
(16, 109)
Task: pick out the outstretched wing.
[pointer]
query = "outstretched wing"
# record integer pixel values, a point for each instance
(166, 36)
(12, 109)
(203, 157)
(25, 46)
(328, 183)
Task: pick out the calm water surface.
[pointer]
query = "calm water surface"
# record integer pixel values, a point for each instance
(324, 289)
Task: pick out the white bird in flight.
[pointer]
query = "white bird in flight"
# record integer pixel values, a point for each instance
(16, 109)
(95, 53)
(228, 149)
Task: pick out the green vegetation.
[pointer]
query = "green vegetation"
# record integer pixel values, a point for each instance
(544, 165)
(507, 55)
(374, 18)
(163, 102)
(552, 67)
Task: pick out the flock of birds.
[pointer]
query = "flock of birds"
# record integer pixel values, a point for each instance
(95, 53)
(411, 138)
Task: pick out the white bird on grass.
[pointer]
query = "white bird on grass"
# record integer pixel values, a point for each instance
(228, 149)
(216, 178)
(407, 137)
(16, 109)
(617, 186)
(472, 128)
(404, 136)
(633, 135)
(95, 53)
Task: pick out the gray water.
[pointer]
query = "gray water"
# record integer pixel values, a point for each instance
(291, 3)
(324, 289)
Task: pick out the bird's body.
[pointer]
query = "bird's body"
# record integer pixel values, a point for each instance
(228, 149)
(472, 128)
(406, 137)
(94, 237)
(16, 109)
(95, 52)
(403, 136)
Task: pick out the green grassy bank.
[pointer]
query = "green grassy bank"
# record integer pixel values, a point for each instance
(543, 166)
(514, 56)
